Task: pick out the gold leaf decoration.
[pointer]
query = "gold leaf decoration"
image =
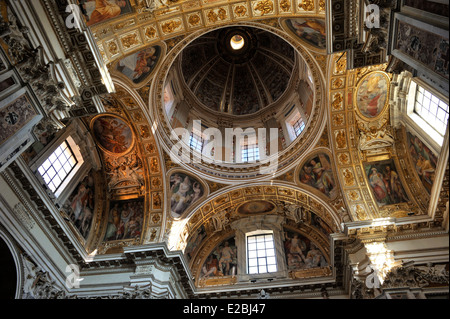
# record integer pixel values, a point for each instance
(264, 6)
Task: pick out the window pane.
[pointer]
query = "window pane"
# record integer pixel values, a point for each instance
(58, 166)
(46, 179)
(262, 253)
(252, 262)
(46, 165)
(270, 252)
(431, 109)
(52, 186)
(266, 256)
(56, 180)
(52, 158)
(271, 261)
(41, 170)
(51, 172)
(272, 268)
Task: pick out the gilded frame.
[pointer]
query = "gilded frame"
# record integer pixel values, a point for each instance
(355, 95)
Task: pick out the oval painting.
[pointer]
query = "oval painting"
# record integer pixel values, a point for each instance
(112, 134)
(310, 30)
(256, 207)
(372, 94)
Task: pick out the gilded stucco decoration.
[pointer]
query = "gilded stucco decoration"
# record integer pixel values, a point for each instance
(225, 204)
(375, 179)
(133, 208)
(135, 25)
(360, 136)
(212, 249)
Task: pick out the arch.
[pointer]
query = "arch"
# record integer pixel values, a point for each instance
(222, 202)
(10, 258)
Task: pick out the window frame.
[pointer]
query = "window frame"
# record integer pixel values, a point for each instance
(245, 153)
(301, 126)
(65, 186)
(264, 256)
(415, 122)
(295, 116)
(420, 90)
(198, 139)
(69, 154)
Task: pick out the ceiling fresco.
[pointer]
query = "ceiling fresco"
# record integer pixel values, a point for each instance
(250, 80)
(349, 164)
(351, 175)
(131, 211)
(131, 31)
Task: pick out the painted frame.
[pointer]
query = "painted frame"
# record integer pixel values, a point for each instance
(362, 81)
(98, 142)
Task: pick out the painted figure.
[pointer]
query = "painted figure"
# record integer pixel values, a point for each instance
(385, 183)
(184, 191)
(105, 10)
(310, 30)
(372, 95)
(138, 66)
(318, 174)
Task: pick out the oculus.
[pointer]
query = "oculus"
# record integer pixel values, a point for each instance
(237, 42)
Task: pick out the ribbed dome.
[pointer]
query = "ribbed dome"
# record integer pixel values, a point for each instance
(241, 81)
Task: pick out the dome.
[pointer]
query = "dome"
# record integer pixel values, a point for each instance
(240, 80)
(238, 98)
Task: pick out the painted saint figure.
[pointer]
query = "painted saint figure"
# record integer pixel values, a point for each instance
(105, 10)
(318, 174)
(184, 191)
(138, 65)
(372, 95)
